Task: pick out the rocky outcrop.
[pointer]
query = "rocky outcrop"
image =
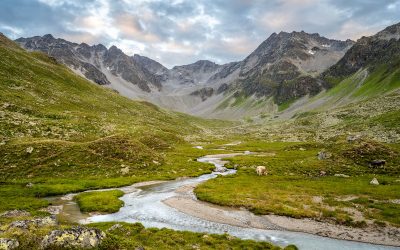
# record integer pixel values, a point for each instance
(8, 244)
(78, 237)
(37, 222)
(287, 65)
(203, 93)
(380, 49)
(15, 213)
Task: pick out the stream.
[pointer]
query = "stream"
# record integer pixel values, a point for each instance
(145, 204)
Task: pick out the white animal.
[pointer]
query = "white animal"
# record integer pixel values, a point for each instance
(261, 170)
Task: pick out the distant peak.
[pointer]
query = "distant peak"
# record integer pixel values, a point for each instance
(48, 36)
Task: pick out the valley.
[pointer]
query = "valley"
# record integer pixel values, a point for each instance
(320, 115)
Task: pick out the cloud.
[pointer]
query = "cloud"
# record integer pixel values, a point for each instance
(182, 31)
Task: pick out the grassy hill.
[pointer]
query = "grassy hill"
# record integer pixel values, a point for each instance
(56, 124)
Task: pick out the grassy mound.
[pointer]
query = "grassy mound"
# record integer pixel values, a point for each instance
(103, 201)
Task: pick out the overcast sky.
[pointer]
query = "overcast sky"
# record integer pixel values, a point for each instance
(176, 32)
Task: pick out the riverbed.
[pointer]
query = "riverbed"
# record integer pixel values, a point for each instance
(173, 205)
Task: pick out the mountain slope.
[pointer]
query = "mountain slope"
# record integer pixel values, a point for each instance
(96, 63)
(283, 68)
(53, 121)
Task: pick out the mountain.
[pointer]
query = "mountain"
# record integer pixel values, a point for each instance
(286, 65)
(364, 81)
(283, 68)
(97, 63)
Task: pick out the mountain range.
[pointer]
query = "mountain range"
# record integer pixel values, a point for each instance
(282, 76)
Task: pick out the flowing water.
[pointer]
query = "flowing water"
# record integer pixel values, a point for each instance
(145, 205)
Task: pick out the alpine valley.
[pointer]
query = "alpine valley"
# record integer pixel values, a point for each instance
(297, 146)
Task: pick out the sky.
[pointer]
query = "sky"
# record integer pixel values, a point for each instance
(177, 32)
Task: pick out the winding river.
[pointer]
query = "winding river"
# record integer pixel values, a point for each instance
(149, 205)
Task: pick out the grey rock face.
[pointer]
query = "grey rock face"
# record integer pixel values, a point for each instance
(78, 237)
(287, 65)
(94, 62)
(369, 52)
(203, 93)
(8, 244)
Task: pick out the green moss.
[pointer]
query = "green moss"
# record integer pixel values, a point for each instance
(103, 201)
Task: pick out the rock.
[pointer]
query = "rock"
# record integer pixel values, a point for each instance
(323, 155)
(302, 149)
(52, 209)
(342, 175)
(15, 213)
(125, 170)
(261, 170)
(352, 138)
(77, 237)
(139, 248)
(322, 173)
(37, 222)
(114, 227)
(6, 244)
(29, 185)
(29, 150)
(374, 181)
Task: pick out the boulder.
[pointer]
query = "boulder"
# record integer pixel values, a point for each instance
(7, 244)
(77, 237)
(322, 173)
(29, 185)
(352, 138)
(374, 182)
(377, 163)
(37, 222)
(323, 155)
(342, 175)
(15, 213)
(29, 150)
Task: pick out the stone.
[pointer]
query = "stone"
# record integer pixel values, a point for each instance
(125, 170)
(323, 155)
(352, 138)
(377, 163)
(77, 237)
(322, 173)
(29, 185)
(302, 149)
(7, 244)
(342, 175)
(37, 222)
(374, 181)
(114, 227)
(29, 150)
(15, 213)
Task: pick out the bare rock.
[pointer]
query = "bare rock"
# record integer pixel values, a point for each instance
(29, 150)
(374, 181)
(37, 222)
(77, 237)
(15, 213)
(323, 155)
(342, 175)
(7, 244)
(261, 170)
(29, 185)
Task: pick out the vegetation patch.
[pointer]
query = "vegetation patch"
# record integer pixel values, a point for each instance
(102, 201)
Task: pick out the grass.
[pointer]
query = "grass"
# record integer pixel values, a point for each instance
(103, 201)
(294, 181)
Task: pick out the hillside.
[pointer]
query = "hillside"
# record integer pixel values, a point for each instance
(56, 123)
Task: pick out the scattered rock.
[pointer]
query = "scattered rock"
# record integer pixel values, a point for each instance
(7, 244)
(322, 173)
(125, 170)
(29, 150)
(374, 182)
(114, 227)
(29, 185)
(15, 213)
(52, 209)
(353, 138)
(78, 237)
(261, 170)
(342, 175)
(323, 155)
(302, 149)
(139, 248)
(37, 222)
